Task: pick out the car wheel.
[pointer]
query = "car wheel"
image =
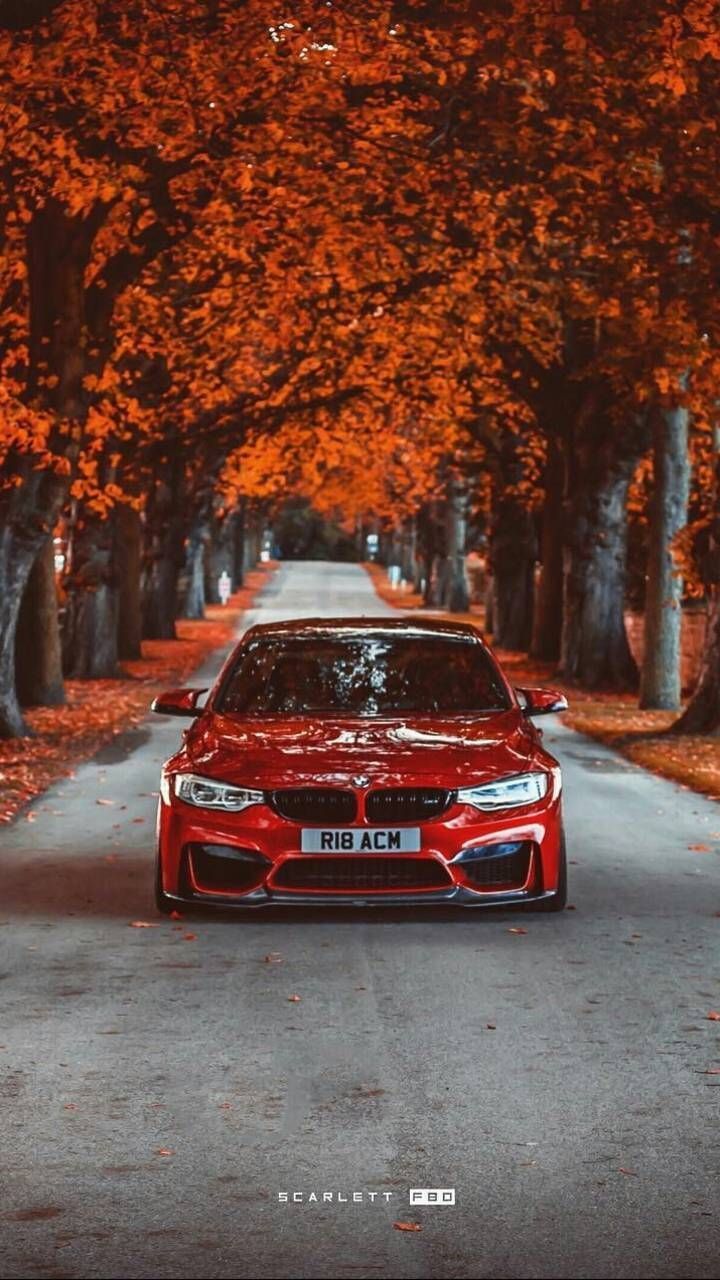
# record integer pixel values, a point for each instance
(558, 902)
(163, 903)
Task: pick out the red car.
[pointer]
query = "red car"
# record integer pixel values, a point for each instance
(361, 761)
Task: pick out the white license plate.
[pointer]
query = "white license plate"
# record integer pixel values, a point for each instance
(360, 840)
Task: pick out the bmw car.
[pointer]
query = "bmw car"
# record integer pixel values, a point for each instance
(361, 761)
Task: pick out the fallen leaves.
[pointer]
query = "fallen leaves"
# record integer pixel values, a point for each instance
(42, 1214)
(294, 999)
(700, 848)
(629, 1173)
(517, 929)
(713, 1016)
(164, 1151)
(97, 710)
(143, 924)
(273, 957)
(407, 1226)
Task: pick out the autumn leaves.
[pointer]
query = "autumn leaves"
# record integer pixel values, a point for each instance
(360, 257)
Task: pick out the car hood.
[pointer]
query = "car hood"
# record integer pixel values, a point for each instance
(422, 750)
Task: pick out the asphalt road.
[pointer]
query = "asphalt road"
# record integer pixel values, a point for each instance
(580, 1133)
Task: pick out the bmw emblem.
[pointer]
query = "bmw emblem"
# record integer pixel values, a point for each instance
(360, 780)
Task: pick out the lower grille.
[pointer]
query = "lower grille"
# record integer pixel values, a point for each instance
(376, 873)
(315, 804)
(217, 868)
(406, 804)
(485, 868)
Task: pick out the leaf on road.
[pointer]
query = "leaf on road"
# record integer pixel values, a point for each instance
(296, 999)
(407, 1226)
(629, 1173)
(517, 929)
(709, 1071)
(713, 1016)
(164, 1151)
(31, 816)
(176, 915)
(138, 819)
(273, 957)
(700, 848)
(106, 802)
(143, 924)
(189, 937)
(491, 1026)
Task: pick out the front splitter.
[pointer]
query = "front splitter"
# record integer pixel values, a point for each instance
(458, 896)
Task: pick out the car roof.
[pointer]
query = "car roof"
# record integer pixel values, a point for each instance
(370, 626)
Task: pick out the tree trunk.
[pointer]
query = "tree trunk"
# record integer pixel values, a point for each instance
(194, 602)
(661, 677)
(38, 656)
(238, 574)
(128, 559)
(595, 649)
(14, 572)
(408, 561)
(702, 714)
(164, 550)
(90, 632)
(252, 541)
(429, 533)
(512, 551)
(456, 590)
(58, 248)
(220, 556)
(547, 610)
(490, 605)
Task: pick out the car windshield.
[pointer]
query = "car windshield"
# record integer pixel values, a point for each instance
(362, 676)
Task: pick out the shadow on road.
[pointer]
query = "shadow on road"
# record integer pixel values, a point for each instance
(117, 885)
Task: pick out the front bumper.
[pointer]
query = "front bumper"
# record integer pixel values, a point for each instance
(449, 852)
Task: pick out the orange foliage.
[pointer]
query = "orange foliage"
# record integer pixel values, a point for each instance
(359, 230)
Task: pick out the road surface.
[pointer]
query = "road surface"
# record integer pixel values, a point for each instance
(159, 1089)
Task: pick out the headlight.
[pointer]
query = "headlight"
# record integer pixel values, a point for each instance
(214, 795)
(524, 788)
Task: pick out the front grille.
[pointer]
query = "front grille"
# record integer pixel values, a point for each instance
(406, 804)
(373, 873)
(217, 868)
(315, 804)
(486, 869)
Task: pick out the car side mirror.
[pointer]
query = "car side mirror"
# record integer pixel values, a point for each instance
(541, 702)
(177, 702)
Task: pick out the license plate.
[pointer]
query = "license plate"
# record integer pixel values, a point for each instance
(360, 840)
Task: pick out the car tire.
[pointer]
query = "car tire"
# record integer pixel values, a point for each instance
(558, 901)
(163, 903)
